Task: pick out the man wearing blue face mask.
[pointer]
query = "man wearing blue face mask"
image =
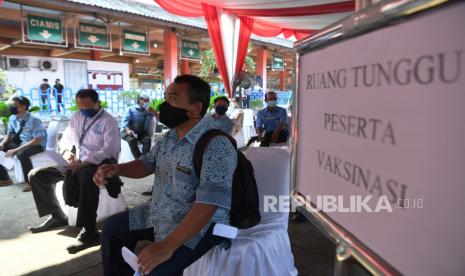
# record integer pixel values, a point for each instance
(26, 136)
(219, 119)
(135, 125)
(90, 139)
(271, 123)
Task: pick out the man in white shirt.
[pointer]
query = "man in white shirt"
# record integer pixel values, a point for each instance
(90, 139)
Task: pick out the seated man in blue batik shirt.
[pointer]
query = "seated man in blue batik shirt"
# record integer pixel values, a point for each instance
(26, 136)
(184, 207)
(135, 125)
(271, 123)
(219, 119)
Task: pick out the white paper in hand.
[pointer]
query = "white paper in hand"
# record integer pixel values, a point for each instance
(130, 258)
(8, 163)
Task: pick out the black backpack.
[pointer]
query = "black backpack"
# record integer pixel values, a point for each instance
(244, 211)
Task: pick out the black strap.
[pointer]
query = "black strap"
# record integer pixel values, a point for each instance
(21, 126)
(84, 131)
(202, 144)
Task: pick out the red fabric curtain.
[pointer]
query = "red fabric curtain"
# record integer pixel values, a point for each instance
(298, 11)
(188, 8)
(245, 31)
(214, 31)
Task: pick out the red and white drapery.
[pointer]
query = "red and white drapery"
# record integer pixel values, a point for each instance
(231, 22)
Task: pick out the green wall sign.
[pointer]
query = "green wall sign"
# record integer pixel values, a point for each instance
(44, 29)
(190, 49)
(135, 42)
(93, 35)
(277, 63)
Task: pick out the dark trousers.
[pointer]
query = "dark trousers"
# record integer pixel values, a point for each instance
(116, 234)
(43, 182)
(24, 158)
(145, 140)
(283, 135)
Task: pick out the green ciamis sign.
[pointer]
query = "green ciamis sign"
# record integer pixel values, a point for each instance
(92, 35)
(135, 42)
(45, 29)
(190, 49)
(277, 63)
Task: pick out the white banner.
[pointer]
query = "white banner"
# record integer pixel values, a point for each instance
(382, 115)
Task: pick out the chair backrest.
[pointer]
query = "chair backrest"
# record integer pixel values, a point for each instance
(272, 168)
(248, 118)
(52, 135)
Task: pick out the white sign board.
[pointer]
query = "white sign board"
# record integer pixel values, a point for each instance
(383, 115)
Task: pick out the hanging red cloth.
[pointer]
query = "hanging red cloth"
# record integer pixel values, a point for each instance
(245, 31)
(214, 32)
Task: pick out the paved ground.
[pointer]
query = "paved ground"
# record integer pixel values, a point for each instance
(22, 253)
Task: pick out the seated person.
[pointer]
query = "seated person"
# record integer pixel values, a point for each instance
(271, 122)
(135, 125)
(91, 138)
(26, 136)
(219, 119)
(184, 207)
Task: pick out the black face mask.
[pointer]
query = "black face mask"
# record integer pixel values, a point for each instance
(13, 110)
(220, 110)
(172, 116)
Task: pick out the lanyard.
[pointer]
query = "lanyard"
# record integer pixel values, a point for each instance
(84, 130)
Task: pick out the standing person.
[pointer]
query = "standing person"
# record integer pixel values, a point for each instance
(219, 119)
(247, 95)
(135, 125)
(58, 93)
(44, 87)
(94, 135)
(236, 114)
(26, 136)
(184, 207)
(271, 122)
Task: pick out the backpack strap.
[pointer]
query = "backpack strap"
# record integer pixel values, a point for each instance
(201, 147)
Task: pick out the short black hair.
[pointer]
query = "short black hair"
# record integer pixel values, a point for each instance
(45, 80)
(267, 95)
(23, 101)
(219, 98)
(198, 91)
(57, 80)
(88, 93)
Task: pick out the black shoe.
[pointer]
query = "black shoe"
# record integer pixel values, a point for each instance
(83, 241)
(148, 192)
(51, 223)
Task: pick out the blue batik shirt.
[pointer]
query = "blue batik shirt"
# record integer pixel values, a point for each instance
(176, 187)
(32, 128)
(270, 120)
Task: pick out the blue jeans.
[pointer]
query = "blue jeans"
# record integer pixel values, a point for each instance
(116, 234)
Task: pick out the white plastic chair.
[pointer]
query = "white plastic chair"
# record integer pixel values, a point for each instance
(265, 248)
(107, 205)
(43, 159)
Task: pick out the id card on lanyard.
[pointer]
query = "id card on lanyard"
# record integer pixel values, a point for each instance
(85, 130)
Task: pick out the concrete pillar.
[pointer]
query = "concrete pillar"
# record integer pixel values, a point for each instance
(185, 67)
(282, 80)
(260, 65)
(170, 56)
(94, 55)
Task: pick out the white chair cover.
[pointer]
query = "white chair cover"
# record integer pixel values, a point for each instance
(263, 249)
(52, 135)
(248, 127)
(44, 159)
(107, 206)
